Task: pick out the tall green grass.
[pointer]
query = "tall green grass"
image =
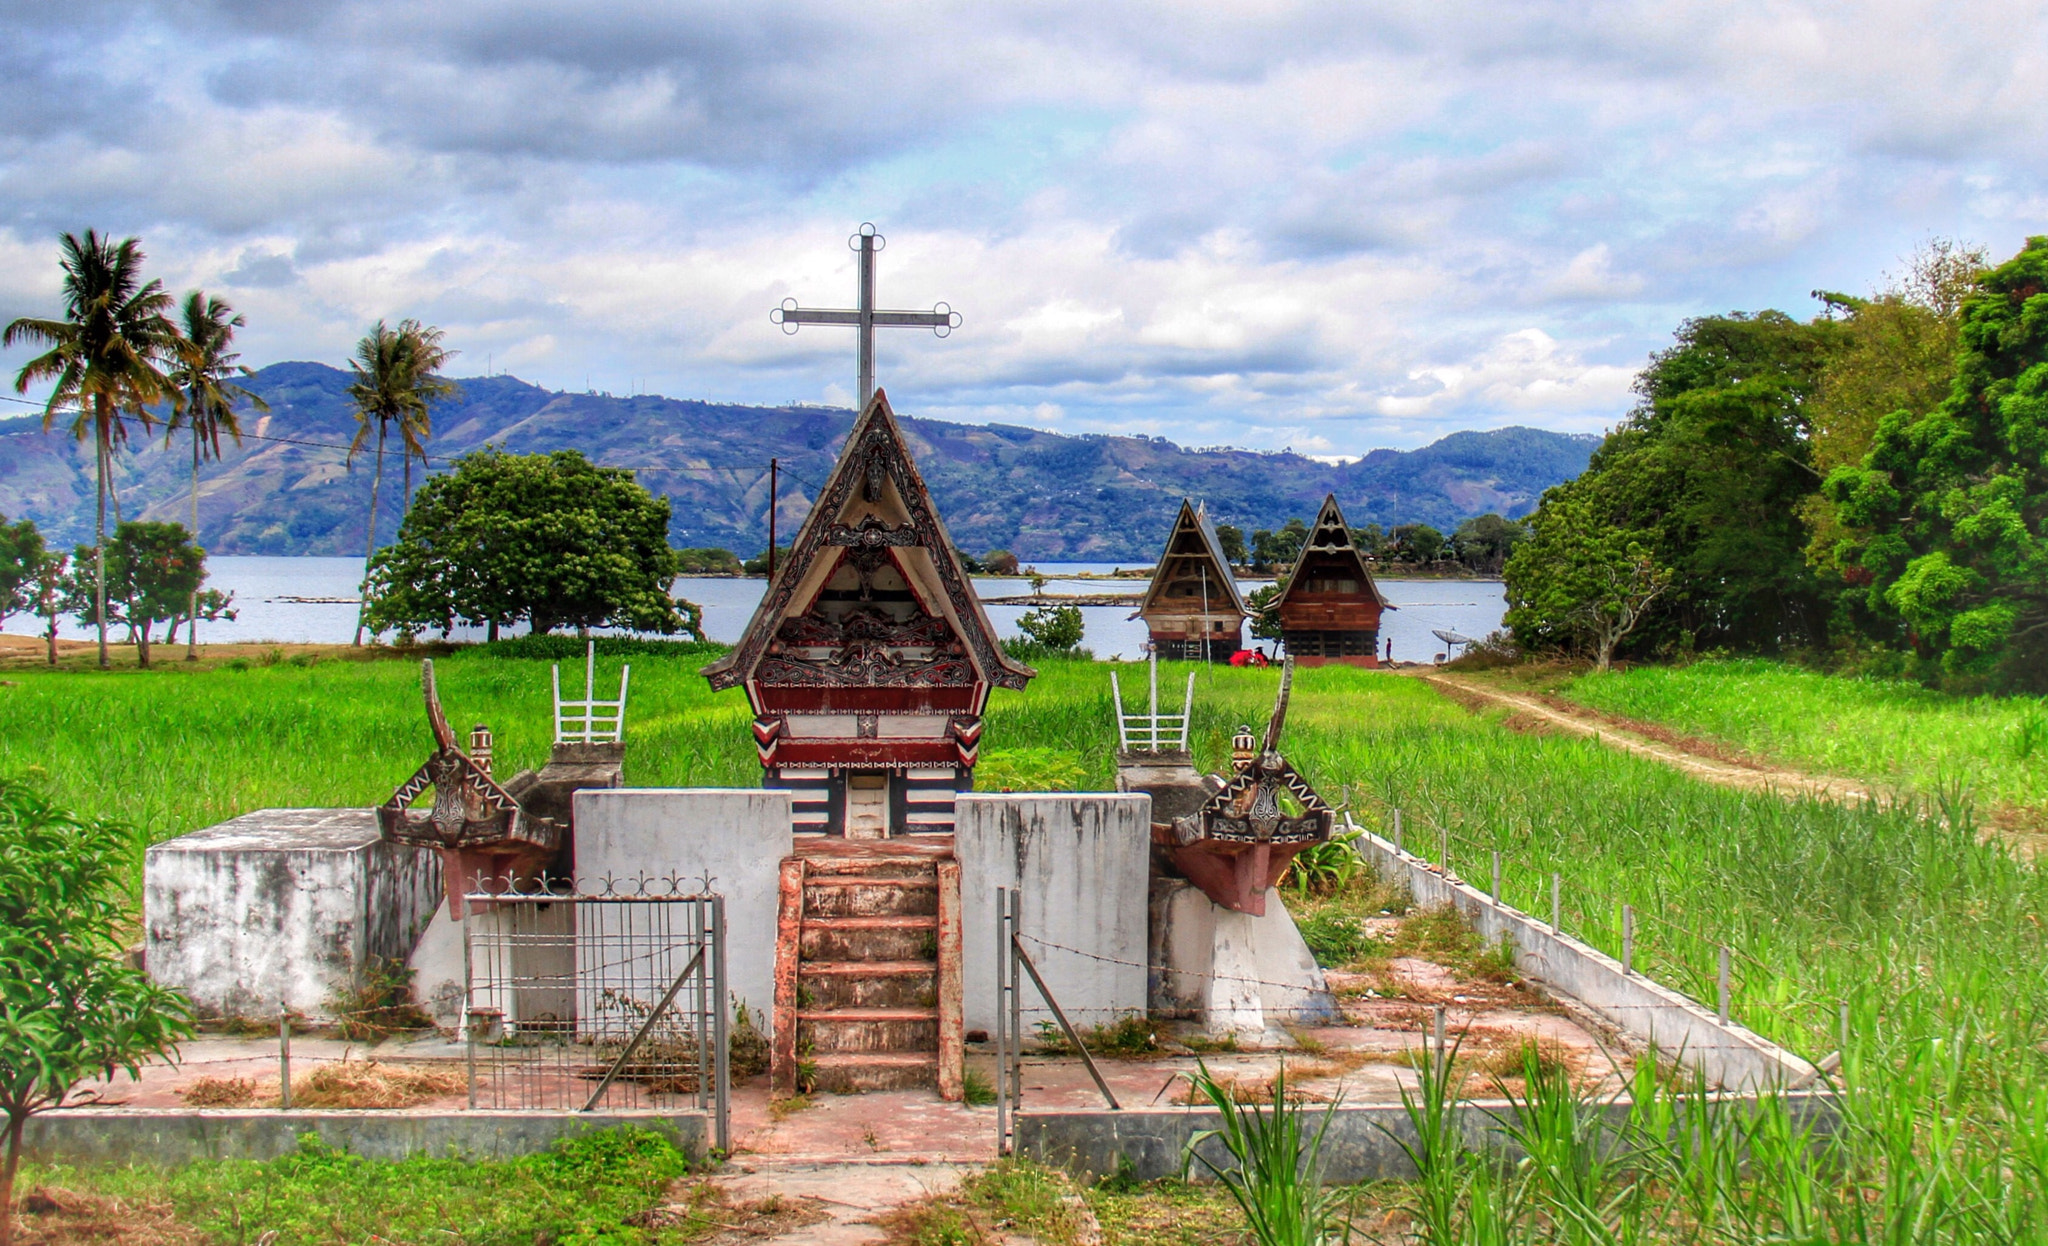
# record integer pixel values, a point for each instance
(1937, 942)
(1898, 736)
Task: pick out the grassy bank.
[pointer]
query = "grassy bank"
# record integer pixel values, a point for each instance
(1897, 736)
(1938, 943)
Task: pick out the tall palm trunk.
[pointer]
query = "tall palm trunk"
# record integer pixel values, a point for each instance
(370, 546)
(192, 608)
(99, 551)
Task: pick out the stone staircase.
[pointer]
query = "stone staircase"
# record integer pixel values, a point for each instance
(865, 1006)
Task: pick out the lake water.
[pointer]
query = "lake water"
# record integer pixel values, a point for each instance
(312, 601)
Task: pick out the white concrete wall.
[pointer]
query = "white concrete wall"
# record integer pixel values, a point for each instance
(281, 905)
(736, 836)
(1082, 863)
(1233, 972)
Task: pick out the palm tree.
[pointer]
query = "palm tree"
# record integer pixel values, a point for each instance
(106, 359)
(396, 382)
(208, 325)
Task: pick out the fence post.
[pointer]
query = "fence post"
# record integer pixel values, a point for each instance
(1556, 902)
(1000, 951)
(1844, 1048)
(1724, 984)
(1442, 1057)
(1628, 939)
(1496, 876)
(284, 1055)
(721, 1019)
(468, 1009)
(1397, 831)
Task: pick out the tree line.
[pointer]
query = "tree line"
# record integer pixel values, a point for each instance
(1866, 488)
(549, 540)
(1480, 544)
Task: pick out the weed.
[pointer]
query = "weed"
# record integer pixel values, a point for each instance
(1327, 868)
(219, 1092)
(379, 1004)
(975, 1089)
(1270, 1165)
(1334, 938)
(746, 1045)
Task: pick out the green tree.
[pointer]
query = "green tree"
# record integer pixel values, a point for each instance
(1418, 542)
(203, 374)
(21, 554)
(1483, 543)
(153, 576)
(758, 564)
(1263, 604)
(1955, 499)
(1276, 549)
(1579, 579)
(1231, 538)
(49, 579)
(1058, 628)
(105, 360)
(1000, 562)
(397, 382)
(548, 539)
(71, 1007)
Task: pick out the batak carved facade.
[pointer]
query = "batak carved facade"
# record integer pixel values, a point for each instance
(1330, 608)
(1192, 608)
(869, 659)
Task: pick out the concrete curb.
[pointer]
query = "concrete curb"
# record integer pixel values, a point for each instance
(1363, 1143)
(166, 1137)
(1734, 1057)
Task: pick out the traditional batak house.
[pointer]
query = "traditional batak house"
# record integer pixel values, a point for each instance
(870, 658)
(1192, 607)
(1330, 608)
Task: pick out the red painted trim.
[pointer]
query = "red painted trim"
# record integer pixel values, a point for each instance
(845, 752)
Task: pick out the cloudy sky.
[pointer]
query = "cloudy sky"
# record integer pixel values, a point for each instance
(1331, 227)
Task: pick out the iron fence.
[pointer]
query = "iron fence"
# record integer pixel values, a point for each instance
(613, 1000)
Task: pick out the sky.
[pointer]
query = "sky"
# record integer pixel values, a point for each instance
(1325, 227)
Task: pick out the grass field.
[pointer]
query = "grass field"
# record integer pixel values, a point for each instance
(1895, 735)
(1937, 942)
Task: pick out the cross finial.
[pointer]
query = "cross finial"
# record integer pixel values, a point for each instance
(866, 242)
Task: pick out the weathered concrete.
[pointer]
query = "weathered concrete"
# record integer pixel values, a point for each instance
(142, 1136)
(1082, 862)
(735, 838)
(1362, 1144)
(1232, 972)
(1733, 1056)
(437, 968)
(282, 905)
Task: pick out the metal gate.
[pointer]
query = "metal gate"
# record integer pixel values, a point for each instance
(614, 1000)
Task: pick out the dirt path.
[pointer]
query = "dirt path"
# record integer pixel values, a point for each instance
(1700, 758)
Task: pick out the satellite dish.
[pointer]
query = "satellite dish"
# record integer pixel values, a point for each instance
(1451, 638)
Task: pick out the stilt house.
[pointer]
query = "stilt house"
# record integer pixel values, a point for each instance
(1330, 608)
(870, 658)
(1192, 607)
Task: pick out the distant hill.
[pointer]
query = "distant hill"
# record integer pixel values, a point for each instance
(1045, 496)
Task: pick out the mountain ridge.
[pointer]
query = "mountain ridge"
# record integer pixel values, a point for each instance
(1045, 496)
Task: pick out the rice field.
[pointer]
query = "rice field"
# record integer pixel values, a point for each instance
(1895, 735)
(1936, 942)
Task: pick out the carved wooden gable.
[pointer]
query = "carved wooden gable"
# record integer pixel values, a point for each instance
(1330, 564)
(870, 597)
(1193, 576)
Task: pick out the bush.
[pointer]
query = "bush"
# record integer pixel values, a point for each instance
(1056, 628)
(566, 648)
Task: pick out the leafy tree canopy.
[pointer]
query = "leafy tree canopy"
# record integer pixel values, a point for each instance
(548, 539)
(21, 554)
(1955, 500)
(1579, 580)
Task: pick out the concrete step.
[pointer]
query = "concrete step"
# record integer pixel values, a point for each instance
(868, 984)
(839, 1031)
(817, 869)
(864, 895)
(851, 1074)
(870, 938)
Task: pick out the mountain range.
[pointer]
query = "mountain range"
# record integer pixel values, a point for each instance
(287, 488)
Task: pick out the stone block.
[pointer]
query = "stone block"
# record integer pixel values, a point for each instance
(283, 905)
(1233, 972)
(735, 837)
(1081, 862)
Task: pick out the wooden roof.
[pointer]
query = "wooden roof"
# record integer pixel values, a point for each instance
(875, 501)
(1331, 536)
(1192, 546)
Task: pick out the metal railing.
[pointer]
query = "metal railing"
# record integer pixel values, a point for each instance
(1152, 730)
(590, 721)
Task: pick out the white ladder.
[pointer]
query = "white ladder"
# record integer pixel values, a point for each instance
(1152, 731)
(590, 721)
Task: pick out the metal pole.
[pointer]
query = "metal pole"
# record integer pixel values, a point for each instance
(1397, 831)
(1724, 984)
(1016, 1010)
(866, 326)
(1442, 1057)
(469, 1002)
(1153, 666)
(1445, 858)
(723, 1056)
(1628, 939)
(1066, 1026)
(1556, 902)
(1002, 1021)
(774, 479)
(284, 1055)
(1496, 876)
(1844, 1048)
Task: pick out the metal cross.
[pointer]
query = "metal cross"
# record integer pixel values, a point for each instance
(941, 319)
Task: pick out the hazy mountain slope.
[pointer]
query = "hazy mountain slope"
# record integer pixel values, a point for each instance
(1044, 495)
